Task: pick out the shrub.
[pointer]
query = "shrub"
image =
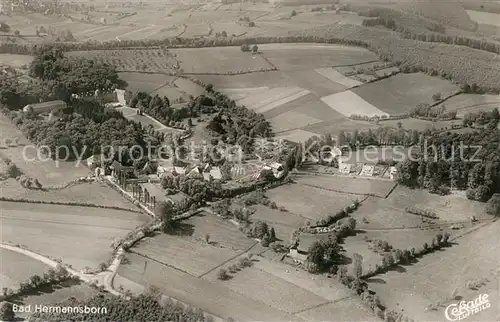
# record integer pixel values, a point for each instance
(223, 275)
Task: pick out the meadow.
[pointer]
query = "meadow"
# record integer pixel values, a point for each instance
(17, 268)
(284, 222)
(79, 236)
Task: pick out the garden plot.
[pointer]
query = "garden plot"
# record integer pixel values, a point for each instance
(349, 103)
(337, 77)
(79, 236)
(435, 277)
(213, 298)
(220, 60)
(310, 202)
(291, 121)
(284, 222)
(349, 185)
(402, 92)
(16, 268)
(189, 252)
(311, 56)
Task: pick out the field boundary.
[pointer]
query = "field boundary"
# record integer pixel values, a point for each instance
(230, 259)
(71, 204)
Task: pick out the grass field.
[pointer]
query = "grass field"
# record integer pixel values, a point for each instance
(213, 298)
(486, 18)
(78, 236)
(337, 77)
(291, 120)
(436, 276)
(48, 172)
(16, 268)
(219, 60)
(349, 185)
(91, 193)
(310, 202)
(404, 91)
(189, 252)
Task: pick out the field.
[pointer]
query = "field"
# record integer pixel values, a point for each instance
(436, 276)
(310, 202)
(337, 77)
(349, 185)
(470, 103)
(484, 17)
(90, 193)
(78, 236)
(48, 172)
(189, 252)
(349, 103)
(403, 92)
(56, 295)
(220, 60)
(15, 61)
(16, 268)
(283, 222)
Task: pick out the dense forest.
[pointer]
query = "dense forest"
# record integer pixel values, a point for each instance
(464, 161)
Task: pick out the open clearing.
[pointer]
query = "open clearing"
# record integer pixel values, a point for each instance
(91, 193)
(79, 236)
(349, 185)
(16, 268)
(402, 92)
(48, 172)
(337, 77)
(310, 202)
(213, 298)
(189, 252)
(427, 282)
(486, 18)
(349, 103)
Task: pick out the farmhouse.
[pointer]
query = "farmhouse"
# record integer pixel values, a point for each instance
(45, 107)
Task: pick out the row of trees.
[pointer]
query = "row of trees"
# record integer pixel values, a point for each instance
(433, 112)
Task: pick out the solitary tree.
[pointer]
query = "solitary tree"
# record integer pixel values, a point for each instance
(358, 265)
(255, 49)
(222, 274)
(6, 312)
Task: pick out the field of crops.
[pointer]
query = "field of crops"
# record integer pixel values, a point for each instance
(16, 268)
(78, 236)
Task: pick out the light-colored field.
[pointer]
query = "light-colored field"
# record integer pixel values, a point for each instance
(310, 202)
(283, 222)
(91, 193)
(348, 103)
(219, 60)
(486, 18)
(291, 121)
(78, 291)
(26, 157)
(434, 278)
(263, 101)
(296, 135)
(78, 236)
(403, 92)
(16, 268)
(351, 185)
(189, 252)
(337, 77)
(213, 298)
(15, 61)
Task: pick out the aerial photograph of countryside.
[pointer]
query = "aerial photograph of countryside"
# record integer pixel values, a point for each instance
(250, 160)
